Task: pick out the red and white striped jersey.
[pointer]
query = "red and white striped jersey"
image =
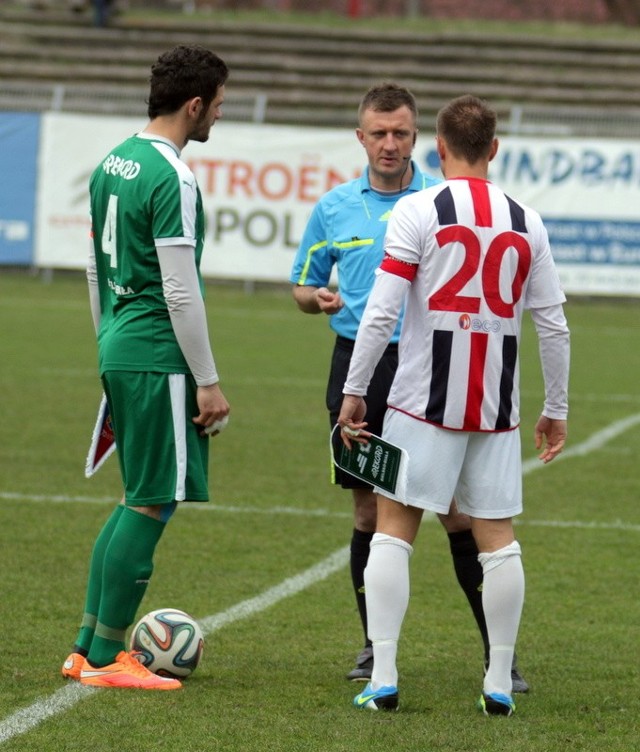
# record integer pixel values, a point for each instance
(475, 259)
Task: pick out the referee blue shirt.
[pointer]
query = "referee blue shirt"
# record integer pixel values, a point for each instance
(347, 229)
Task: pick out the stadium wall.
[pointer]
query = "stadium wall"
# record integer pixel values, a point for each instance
(260, 183)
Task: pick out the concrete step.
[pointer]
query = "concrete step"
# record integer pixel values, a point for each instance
(310, 74)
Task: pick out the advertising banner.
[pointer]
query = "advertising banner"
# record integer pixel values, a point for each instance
(259, 184)
(19, 139)
(71, 148)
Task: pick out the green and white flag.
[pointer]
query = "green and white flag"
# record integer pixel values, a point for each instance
(377, 462)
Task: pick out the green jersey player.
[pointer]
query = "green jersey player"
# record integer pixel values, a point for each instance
(155, 360)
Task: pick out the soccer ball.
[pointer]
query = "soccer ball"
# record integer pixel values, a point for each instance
(168, 642)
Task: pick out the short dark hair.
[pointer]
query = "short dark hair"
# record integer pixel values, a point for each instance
(388, 97)
(468, 126)
(185, 72)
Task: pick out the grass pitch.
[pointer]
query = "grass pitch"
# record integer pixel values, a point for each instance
(263, 565)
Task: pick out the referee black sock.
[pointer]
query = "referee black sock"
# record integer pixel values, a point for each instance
(469, 573)
(360, 542)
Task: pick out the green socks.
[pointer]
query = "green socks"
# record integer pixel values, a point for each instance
(94, 585)
(118, 582)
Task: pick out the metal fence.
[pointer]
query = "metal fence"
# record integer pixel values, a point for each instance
(596, 122)
(538, 120)
(116, 100)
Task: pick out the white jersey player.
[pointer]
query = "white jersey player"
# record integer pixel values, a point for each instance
(465, 259)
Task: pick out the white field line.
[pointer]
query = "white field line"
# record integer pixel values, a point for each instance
(285, 589)
(329, 513)
(593, 443)
(187, 506)
(23, 720)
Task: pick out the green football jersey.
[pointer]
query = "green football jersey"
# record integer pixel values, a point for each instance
(142, 196)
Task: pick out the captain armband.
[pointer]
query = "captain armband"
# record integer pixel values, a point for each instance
(400, 268)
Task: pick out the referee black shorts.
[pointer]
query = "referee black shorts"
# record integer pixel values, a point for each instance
(376, 397)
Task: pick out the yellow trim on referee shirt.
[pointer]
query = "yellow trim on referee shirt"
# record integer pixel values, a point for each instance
(305, 269)
(355, 243)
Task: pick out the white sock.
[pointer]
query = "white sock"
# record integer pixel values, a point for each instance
(502, 600)
(386, 582)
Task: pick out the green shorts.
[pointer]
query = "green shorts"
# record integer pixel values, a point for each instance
(162, 456)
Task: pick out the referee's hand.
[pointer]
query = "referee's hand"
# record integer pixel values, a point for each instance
(328, 302)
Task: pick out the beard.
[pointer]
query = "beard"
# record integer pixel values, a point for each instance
(201, 129)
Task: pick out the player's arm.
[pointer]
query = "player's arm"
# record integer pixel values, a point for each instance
(396, 274)
(181, 290)
(378, 324)
(94, 293)
(554, 345)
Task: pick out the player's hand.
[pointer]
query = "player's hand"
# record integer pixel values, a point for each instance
(351, 421)
(212, 405)
(328, 302)
(550, 436)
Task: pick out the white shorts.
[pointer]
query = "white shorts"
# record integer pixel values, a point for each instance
(482, 471)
